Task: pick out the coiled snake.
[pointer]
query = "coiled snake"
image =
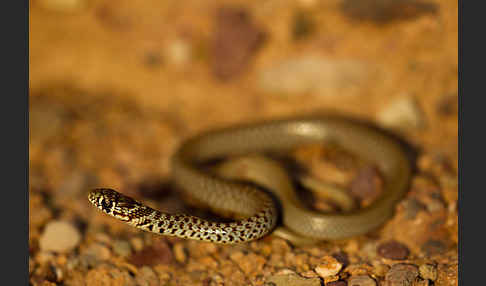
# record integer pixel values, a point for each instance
(258, 207)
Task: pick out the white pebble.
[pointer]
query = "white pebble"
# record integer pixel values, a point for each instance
(179, 52)
(403, 113)
(59, 236)
(320, 76)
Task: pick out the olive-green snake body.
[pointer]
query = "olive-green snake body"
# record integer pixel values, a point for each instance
(258, 207)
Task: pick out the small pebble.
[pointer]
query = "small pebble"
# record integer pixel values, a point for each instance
(98, 251)
(393, 250)
(302, 26)
(179, 253)
(412, 207)
(285, 271)
(122, 248)
(106, 275)
(147, 277)
(369, 249)
(37, 281)
(208, 262)
(179, 52)
(422, 283)
(293, 280)
(401, 275)
(137, 243)
(44, 257)
(434, 203)
(330, 279)
(280, 246)
(329, 266)
(59, 236)
(309, 274)
(235, 40)
(403, 113)
(361, 280)
(428, 271)
(359, 268)
(85, 261)
(380, 270)
(103, 238)
(249, 264)
(158, 253)
(367, 185)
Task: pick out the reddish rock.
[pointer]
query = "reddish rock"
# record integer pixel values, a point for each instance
(393, 250)
(367, 184)
(158, 253)
(234, 42)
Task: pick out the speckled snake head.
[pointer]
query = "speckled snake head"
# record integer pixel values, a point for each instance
(113, 203)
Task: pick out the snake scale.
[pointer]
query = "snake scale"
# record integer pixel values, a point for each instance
(256, 206)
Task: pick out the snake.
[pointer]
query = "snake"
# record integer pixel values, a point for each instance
(258, 209)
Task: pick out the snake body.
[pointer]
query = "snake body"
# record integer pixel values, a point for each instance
(258, 207)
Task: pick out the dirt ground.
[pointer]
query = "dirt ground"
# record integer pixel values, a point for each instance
(115, 87)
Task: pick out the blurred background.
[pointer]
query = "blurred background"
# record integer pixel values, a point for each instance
(116, 85)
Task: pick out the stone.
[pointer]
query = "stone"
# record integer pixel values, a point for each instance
(147, 277)
(412, 207)
(179, 253)
(122, 248)
(59, 236)
(250, 264)
(179, 52)
(137, 243)
(293, 280)
(97, 251)
(158, 253)
(361, 280)
(393, 250)
(367, 184)
(401, 275)
(107, 275)
(235, 40)
(428, 271)
(312, 74)
(403, 113)
(328, 267)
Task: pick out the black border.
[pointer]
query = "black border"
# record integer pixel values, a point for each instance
(15, 154)
(473, 267)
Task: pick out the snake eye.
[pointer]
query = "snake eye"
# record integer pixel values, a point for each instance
(106, 205)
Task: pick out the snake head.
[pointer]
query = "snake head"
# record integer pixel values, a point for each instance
(113, 203)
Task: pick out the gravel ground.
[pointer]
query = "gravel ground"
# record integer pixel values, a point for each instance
(114, 88)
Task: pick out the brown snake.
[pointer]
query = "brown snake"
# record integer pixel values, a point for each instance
(225, 196)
